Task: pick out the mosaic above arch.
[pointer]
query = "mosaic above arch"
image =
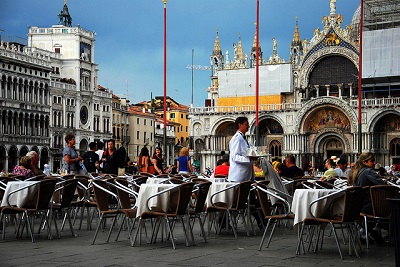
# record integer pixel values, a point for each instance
(325, 102)
(388, 123)
(326, 118)
(270, 126)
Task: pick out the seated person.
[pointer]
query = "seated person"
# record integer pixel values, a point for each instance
(259, 173)
(222, 169)
(291, 170)
(330, 172)
(393, 171)
(279, 168)
(342, 170)
(24, 167)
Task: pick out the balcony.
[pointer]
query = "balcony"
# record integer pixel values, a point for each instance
(371, 103)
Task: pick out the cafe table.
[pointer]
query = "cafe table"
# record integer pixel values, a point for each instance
(159, 202)
(21, 197)
(302, 199)
(226, 197)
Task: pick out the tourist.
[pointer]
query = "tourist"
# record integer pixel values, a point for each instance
(122, 160)
(99, 152)
(258, 171)
(110, 159)
(241, 167)
(46, 169)
(24, 167)
(342, 170)
(393, 171)
(183, 163)
(143, 162)
(279, 168)
(91, 158)
(330, 172)
(364, 174)
(291, 170)
(35, 161)
(223, 168)
(157, 161)
(71, 160)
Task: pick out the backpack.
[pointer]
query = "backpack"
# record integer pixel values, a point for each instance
(89, 160)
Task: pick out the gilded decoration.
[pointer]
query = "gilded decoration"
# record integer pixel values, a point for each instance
(326, 118)
(326, 103)
(332, 39)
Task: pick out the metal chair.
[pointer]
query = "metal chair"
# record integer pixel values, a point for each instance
(264, 193)
(353, 202)
(381, 212)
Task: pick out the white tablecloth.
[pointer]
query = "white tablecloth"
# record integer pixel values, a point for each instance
(22, 197)
(160, 202)
(224, 197)
(155, 180)
(217, 180)
(302, 199)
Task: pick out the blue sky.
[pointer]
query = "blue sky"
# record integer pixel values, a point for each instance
(129, 36)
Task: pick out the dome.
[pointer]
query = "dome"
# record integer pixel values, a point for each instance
(355, 24)
(356, 17)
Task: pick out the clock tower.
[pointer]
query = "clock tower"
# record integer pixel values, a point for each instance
(78, 106)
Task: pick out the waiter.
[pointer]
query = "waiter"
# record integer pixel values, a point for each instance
(241, 166)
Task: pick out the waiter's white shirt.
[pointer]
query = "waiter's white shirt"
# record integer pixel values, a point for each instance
(241, 167)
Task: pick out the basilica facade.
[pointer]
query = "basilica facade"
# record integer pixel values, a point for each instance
(309, 106)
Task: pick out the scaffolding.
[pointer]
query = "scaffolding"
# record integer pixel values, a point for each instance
(381, 14)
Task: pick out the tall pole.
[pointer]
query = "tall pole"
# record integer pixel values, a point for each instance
(257, 70)
(165, 81)
(360, 79)
(192, 73)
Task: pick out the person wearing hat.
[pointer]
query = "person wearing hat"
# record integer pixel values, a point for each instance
(330, 173)
(222, 169)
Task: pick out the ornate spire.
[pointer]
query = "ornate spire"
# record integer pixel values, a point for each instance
(217, 46)
(254, 49)
(296, 35)
(64, 16)
(332, 5)
(239, 51)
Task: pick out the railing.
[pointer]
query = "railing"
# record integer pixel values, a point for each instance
(245, 108)
(102, 94)
(61, 85)
(59, 29)
(377, 102)
(27, 55)
(374, 102)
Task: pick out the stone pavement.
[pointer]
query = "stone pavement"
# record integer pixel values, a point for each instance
(221, 250)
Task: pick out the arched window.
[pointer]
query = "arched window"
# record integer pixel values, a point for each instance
(395, 147)
(275, 149)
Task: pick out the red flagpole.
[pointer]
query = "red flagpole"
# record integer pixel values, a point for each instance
(165, 78)
(257, 68)
(360, 79)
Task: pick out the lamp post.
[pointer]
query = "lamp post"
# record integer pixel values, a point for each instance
(165, 80)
